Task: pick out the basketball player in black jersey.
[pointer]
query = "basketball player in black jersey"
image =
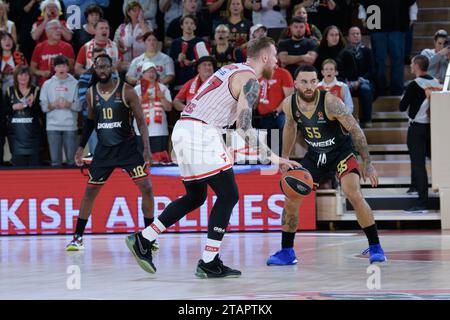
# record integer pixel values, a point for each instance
(326, 125)
(112, 104)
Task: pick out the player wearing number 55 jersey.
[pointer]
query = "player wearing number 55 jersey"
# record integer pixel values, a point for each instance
(326, 124)
(228, 96)
(112, 104)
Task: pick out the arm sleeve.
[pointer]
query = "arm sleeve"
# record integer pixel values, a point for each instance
(167, 94)
(81, 58)
(6, 106)
(282, 47)
(170, 68)
(181, 95)
(76, 104)
(405, 102)
(128, 38)
(288, 82)
(413, 10)
(68, 51)
(348, 99)
(362, 15)
(44, 99)
(132, 70)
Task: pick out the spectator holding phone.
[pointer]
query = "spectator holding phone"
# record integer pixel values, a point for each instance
(439, 56)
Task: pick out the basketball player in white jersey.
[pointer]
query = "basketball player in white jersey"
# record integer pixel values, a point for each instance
(228, 96)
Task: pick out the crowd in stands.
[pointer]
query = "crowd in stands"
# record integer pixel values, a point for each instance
(168, 48)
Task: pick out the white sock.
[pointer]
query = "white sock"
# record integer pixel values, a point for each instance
(152, 231)
(211, 250)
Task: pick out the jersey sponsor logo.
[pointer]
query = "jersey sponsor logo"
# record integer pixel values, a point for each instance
(110, 125)
(22, 120)
(155, 228)
(320, 117)
(211, 248)
(220, 230)
(322, 144)
(61, 89)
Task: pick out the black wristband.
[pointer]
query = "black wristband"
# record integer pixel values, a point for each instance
(88, 127)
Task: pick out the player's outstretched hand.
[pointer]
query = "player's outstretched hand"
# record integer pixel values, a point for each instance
(147, 157)
(79, 157)
(370, 172)
(286, 164)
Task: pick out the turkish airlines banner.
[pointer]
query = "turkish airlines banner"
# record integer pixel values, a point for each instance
(48, 202)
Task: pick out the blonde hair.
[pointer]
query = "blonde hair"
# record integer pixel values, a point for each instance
(4, 16)
(45, 3)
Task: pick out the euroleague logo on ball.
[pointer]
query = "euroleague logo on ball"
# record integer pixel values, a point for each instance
(296, 183)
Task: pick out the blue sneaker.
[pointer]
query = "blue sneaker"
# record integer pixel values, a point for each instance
(376, 253)
(284, 257)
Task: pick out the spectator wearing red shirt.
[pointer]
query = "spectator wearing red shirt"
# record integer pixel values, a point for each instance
(272, 94)
(85, 58)
(42, 59)
(205, 67)
(51, 10)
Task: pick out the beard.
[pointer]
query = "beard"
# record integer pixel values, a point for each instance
(104, 80)
(306, 98)
(267, 73)
(297, 37)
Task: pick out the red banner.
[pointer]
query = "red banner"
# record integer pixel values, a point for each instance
(48, 202)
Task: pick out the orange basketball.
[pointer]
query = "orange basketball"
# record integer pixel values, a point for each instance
(296, 183)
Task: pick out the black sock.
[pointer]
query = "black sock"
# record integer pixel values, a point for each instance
(372, 234)
(287, 239)
(148, 221)
(81, 224)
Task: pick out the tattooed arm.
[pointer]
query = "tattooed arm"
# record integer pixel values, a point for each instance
(247, 102)
(336, 109)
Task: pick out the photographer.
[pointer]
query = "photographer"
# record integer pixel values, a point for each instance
(439, 56)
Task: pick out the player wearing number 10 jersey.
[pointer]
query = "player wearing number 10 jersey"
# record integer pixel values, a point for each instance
(111, 107)
(228, 96)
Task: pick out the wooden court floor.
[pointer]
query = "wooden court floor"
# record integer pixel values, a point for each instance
(330, 267)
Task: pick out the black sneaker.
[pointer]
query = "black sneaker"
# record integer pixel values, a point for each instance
(417, 209)
(142, 251)
(215, 269)
(412, 192)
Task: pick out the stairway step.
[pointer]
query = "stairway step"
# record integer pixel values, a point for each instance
(429, 28)
(396, 203)
(386, 135)
(385, 182)
(388, 103)
(385, 148)
(397, 115)
(394, 168)
(393, 215)
(389, 157)
(433, 4)
(420, 43)
(392, 192)
(434, 14)
(390, 123)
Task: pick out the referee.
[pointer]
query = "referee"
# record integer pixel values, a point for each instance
(416, 101)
